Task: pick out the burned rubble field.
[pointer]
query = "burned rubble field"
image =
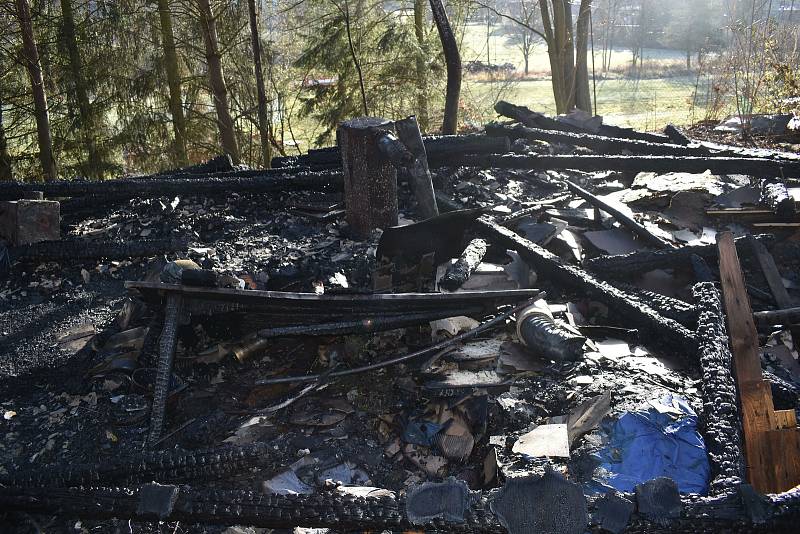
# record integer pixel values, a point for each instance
(79, 349)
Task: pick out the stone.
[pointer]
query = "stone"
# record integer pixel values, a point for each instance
(30, 221)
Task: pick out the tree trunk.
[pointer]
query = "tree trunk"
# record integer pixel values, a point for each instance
(6, 172)
(219, 89)
(563, 21)
(173, 82)
(583, 98)
(453, 61)
(422, 68)
(263, 118)
(552, 53)
(31, 56)
(93, 167)
(688, 60)
(370, 180)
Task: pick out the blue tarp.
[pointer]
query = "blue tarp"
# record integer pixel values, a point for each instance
(658, 439)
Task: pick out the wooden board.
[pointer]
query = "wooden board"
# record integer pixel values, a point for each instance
(771, 438)
(742, 328)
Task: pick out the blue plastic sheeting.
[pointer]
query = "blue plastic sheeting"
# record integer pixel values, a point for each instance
(659, 439)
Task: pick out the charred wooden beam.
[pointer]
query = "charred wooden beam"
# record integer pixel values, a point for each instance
(669, 307)
(624, 266)
(598, 143)
(85, 249)
(778, 317)
(439, 150)
(620, 217)
(661, 164)
(174, 465)
(675, 135)
(419, 175)
(338, 510)
(653, 327)
(777, 198)
(722, 426)
(379, 323)
(221, 163)
(262, 181)
(539, 120)
(460, 271)
(166, 354)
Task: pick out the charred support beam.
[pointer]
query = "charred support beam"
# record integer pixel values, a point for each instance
(538, 120)
(460, 271)
(166, 355)
(370, 180)
(777, 198)
(722, 432)
(85, 249)
(653, 327)
(261, 181)
(669, 307)
(439, 149)
(598, 143)
(366, 326)
(173, 465)
(778, 317)
(624, 266)
(621, 218)
(661, 164)
(221, 163)
(344, 512)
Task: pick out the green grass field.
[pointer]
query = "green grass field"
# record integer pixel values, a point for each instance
(647, 104)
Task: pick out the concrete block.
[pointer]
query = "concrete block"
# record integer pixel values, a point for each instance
(30, 221)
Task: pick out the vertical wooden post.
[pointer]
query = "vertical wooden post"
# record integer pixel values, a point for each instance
(370, 180)
(419, 174)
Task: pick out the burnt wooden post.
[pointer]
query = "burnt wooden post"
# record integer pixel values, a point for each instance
(370, 179)
(419, 175)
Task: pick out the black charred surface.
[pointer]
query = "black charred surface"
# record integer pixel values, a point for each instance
(624, 266)
(262, 181)
(777, 198)
(598, 143)
(346, 512)
(661, 164)
(85, 249)
(539, 120)
(460, 271)
(162, 466)
(669, 307)
(722, 427)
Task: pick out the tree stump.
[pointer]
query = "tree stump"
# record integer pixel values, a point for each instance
(370, 180)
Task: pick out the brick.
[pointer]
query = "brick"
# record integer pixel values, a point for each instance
(30, 221)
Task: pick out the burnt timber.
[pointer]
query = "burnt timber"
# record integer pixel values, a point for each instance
(652, 327)
(261, 181)
(760, 167)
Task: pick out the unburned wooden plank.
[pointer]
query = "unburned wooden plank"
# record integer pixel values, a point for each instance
(785, 418)
(742, 328)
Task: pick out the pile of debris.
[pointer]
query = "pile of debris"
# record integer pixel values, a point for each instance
(520, 330)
